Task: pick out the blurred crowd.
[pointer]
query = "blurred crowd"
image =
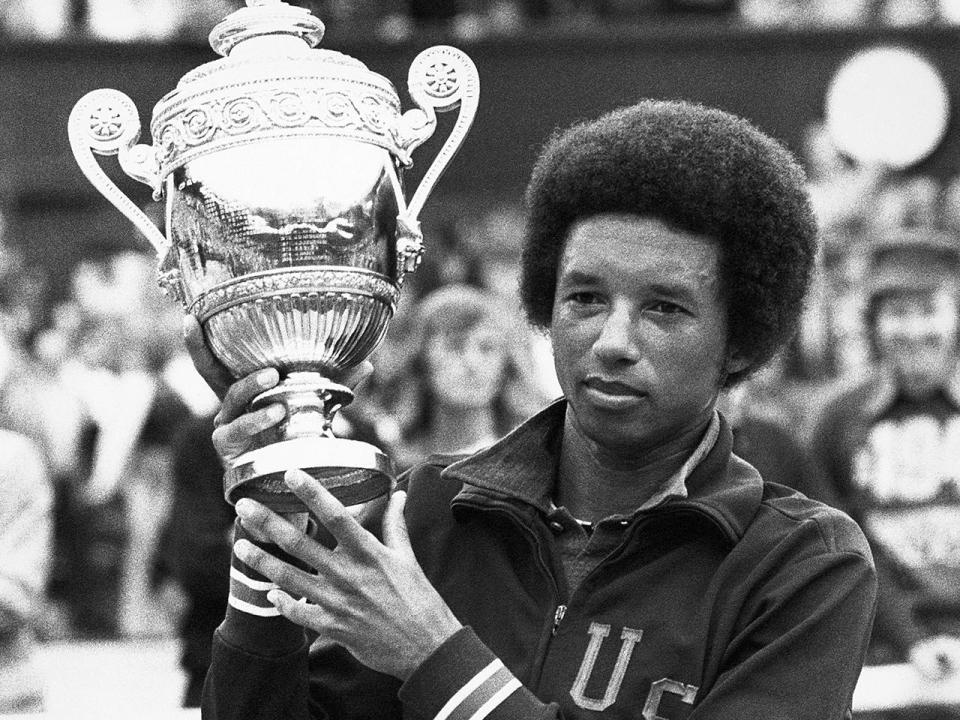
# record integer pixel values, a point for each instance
(112, 522)
(397, 20)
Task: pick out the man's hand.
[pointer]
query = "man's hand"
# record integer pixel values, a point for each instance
(370, 597)
(235, 428)
(937, 657)
(211, 370)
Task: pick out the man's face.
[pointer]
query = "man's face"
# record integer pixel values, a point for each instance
(639, 330)
(916, 333)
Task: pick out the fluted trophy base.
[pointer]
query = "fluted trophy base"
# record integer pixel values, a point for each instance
(354, 472)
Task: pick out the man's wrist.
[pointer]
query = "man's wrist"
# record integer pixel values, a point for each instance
(463, 677)
(252, 623)
(439, 633)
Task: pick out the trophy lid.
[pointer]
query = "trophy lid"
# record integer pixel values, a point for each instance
(272, 82)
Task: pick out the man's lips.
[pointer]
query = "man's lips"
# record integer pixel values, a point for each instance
(613, 388)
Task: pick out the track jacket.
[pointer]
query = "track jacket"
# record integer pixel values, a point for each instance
(743, 600)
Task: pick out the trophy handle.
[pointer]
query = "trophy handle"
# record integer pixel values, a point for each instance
(440, 78)
(106, 122)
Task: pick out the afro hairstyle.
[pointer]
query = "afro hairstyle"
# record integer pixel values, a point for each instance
(700, 170)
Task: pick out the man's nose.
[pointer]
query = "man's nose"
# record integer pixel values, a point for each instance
(617, 341)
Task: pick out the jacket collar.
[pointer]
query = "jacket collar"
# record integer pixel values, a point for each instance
(523, 467)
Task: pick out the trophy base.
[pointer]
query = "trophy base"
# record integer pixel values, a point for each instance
(354, 472)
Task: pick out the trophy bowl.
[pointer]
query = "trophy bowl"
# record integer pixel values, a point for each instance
(288, 233)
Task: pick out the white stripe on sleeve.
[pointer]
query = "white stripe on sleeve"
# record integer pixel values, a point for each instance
(490, 705)
(251, 608)
(463, 693)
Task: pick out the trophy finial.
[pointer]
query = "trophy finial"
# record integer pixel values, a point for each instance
(272, 19)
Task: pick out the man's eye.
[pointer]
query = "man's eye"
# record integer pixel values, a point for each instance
(667, 308)
(584, 298)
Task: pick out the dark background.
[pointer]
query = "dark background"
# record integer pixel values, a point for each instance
(529, 85)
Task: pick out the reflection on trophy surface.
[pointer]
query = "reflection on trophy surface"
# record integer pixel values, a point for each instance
(288, 232)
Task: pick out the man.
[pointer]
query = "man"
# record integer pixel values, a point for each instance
(890, 448)
(610, 555)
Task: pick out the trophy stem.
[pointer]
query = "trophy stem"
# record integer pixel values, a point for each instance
(311, 401)
(354, 472)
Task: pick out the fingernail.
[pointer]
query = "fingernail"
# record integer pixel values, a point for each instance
(266, 378)
(274, 597)
(244, 508)
(293, 478)
(275, 412)
(241, 548)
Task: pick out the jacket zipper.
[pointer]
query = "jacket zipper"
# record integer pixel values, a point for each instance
(558, 617)
(560, 609)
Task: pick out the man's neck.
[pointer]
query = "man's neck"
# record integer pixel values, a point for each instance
(594, 482)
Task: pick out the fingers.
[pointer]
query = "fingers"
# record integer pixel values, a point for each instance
(211, 370)
(329, 511)
(241, 392)
(394, 526)
(265, 524)
(237, 437)
(283, 574)
(297, 611)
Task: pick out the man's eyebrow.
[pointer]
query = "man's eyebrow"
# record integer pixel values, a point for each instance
(578, 276)
(673, 290)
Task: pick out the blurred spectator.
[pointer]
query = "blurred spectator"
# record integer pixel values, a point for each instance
(34, 403)
(154, 20)
(765, 429)
(29, 19)
(889, 448)
(25, 553)
(123, 336)
(466, 381)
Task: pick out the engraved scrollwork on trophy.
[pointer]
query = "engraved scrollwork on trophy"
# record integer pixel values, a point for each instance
(241, 115)
(201, 126)
(279, 282)
(198, 125)
(289, 109)
(106, 122)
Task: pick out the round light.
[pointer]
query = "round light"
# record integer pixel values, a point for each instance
(887, 106)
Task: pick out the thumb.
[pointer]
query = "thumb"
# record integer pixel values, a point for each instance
(211, 370)
(395, 534)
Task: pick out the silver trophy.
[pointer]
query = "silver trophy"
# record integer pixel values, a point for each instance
(288, 231)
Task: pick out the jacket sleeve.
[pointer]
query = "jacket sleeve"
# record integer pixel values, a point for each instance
(258, 666)
(464, 679)
(802, 645)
